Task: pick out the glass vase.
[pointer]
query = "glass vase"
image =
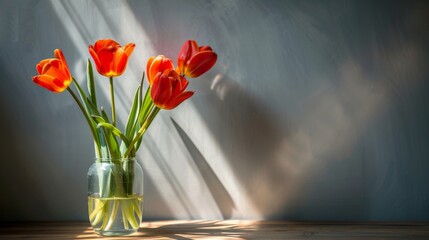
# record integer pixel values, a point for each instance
(115, 196)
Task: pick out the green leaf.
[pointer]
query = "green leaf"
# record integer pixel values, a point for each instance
(81, 94)
(87, 112)
(132, 117)
(90, 83)
(142, 130)
(104, 149)
(141, 89)
(145, 107)
(123, 149)
(139, 142)
(111, 141)
(92, 108)
(98, 119)
(114, 130)
(132, 123)
(137, 146)
(104, 115)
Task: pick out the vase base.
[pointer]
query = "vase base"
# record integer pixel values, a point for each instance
(116, 233)
(115, 216)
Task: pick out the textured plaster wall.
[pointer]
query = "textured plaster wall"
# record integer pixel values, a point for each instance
(315, 110)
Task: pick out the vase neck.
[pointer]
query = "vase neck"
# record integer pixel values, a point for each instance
(116, 160)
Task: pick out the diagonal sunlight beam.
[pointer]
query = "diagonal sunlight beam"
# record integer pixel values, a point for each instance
(215, 174)
(174, 185)
(218, 191)
(124, 29)
(179, 179)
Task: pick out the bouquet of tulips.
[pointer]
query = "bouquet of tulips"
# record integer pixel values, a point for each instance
(166, 90)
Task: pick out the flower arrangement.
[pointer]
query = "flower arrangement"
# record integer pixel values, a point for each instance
(167, 88)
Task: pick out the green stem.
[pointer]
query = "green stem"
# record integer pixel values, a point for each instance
(125, 221)
(88, 120)
(97, 208)
(112, 95)
(113, 214)
(142, 109)
(142, 130)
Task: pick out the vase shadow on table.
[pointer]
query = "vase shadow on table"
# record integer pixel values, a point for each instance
(221, 196)
(193, 230)
(203, 228)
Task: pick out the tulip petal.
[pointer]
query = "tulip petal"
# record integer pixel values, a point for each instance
(149, 63)
(39, 67)
(106, 56)
(96, 60)
(178, 100)
(173, 73)
(188, 49)
(161, 89)
(176, 86)
(51, 83)
(168, 89)
(121, 57)
(204, 48)
(179, 83)
(105, 43)
(184, 83)
(129, 48)
(54, 74)
(55, 69)
(59, 55)
(159, 64)
(200, 63)
(109, 57)
(119, 61)
(155, 89)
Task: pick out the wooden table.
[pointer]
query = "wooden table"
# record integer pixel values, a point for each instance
(230, 229)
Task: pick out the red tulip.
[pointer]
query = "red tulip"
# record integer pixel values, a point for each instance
(157, 64)
(193, 60)
(109, 57)
(168, 89)
(54, 73)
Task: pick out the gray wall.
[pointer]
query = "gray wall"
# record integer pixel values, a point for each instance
(315, 110)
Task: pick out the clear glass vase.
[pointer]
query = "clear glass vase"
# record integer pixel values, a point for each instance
(115, 196)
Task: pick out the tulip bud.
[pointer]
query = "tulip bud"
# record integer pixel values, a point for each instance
(54, 73)
(109, 57)
(168, 89)
(193, 61)
(157, 64)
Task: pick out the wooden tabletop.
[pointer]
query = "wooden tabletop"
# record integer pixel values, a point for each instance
(230, 229)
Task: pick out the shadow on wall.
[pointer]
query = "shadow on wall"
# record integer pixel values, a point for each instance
(248, 134)
(307, 164)
(155, 201)
(220, 195)
(315, 166)
(173, 181)
(300, 173)
(273, 163)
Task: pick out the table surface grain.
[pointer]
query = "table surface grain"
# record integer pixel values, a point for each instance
(229, 229)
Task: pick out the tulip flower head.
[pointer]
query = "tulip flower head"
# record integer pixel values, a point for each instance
(109, 57)
(54, 73)
(157, 64)
(193, 61)
(168, 89)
